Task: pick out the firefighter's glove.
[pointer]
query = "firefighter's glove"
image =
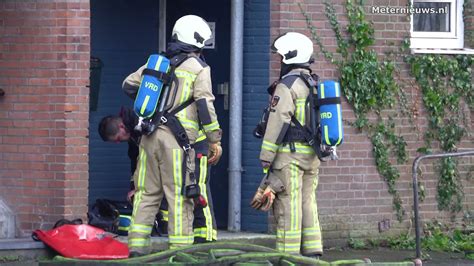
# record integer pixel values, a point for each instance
(267, 199)
(256, 202)
(215, 153)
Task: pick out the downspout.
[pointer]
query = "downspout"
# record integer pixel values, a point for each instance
(235, 127)
(162, 26)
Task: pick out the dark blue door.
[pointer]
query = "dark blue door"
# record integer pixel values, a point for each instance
(218, 58)
(123, 34)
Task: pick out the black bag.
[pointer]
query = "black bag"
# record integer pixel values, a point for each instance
(104, 215)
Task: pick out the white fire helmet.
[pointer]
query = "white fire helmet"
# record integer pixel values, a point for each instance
(295, 48)
(192, 30)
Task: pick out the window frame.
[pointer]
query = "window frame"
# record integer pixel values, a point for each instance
(454, 39)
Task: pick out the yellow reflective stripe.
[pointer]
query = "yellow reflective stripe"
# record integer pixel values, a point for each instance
(202, 185)
(188, 123)
(288, 233)
(212, 126)
(266, 145)
(138, 242)
(177, 239)
(321, 87)
(185, 74)
(164, 213)
(139, 231)
(145, 102)
(140, 228)
(300, 110)
(314, 233)
(339, 121)
(123, 228)
(203, 233)
(299, 148)
(288, 247)
(294, 196)
(141, 176)
(178, 203)
(158, 63)
(201, 136)
(312, 244)
(326, 137)
(186, 91)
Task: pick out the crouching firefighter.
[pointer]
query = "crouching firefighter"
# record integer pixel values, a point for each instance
(288, 153)
(174, 100)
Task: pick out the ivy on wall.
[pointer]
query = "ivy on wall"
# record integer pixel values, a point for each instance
(370, 87)
(445, 81)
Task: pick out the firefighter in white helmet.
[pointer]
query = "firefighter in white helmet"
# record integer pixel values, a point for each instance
(164, 167)
(290, 161)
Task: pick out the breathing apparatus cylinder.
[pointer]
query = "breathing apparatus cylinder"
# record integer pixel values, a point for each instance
(329, 101)
(153, 78)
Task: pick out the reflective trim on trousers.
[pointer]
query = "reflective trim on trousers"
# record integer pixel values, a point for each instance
(288, 234)
(202, 185)
(140, 184)
(180, 240)
(312, 231)
(288, 247)
(140, 228)
(139, 242)
(294, 209)
(316, 244)
(203, 232)
(178, 203)
(164, 214)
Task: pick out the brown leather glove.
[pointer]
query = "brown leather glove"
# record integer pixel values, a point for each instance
(215, 153)
(267, 199)
(256, 202)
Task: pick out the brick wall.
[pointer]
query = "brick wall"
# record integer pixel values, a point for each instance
(44, 71)
(352, 197)
(469, 23)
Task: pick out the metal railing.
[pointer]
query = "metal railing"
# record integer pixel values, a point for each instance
(416, 162)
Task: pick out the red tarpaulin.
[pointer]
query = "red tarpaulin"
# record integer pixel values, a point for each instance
(83, 242)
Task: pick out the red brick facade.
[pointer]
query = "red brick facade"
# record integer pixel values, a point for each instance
(44, 71)
(352, 196)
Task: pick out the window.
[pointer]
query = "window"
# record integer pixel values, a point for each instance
(437, 24)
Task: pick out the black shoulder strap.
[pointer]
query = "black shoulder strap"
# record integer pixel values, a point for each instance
(289, 79)
(178, 59)
(181, 107)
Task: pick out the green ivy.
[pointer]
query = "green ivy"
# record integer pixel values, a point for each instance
(369, 87)
(444, 81)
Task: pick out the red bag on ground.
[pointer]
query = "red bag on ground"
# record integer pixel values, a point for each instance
(83, 242)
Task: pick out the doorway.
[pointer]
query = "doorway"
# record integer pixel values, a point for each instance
(123, 35)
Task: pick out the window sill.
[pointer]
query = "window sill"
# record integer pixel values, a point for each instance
(442, 51)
